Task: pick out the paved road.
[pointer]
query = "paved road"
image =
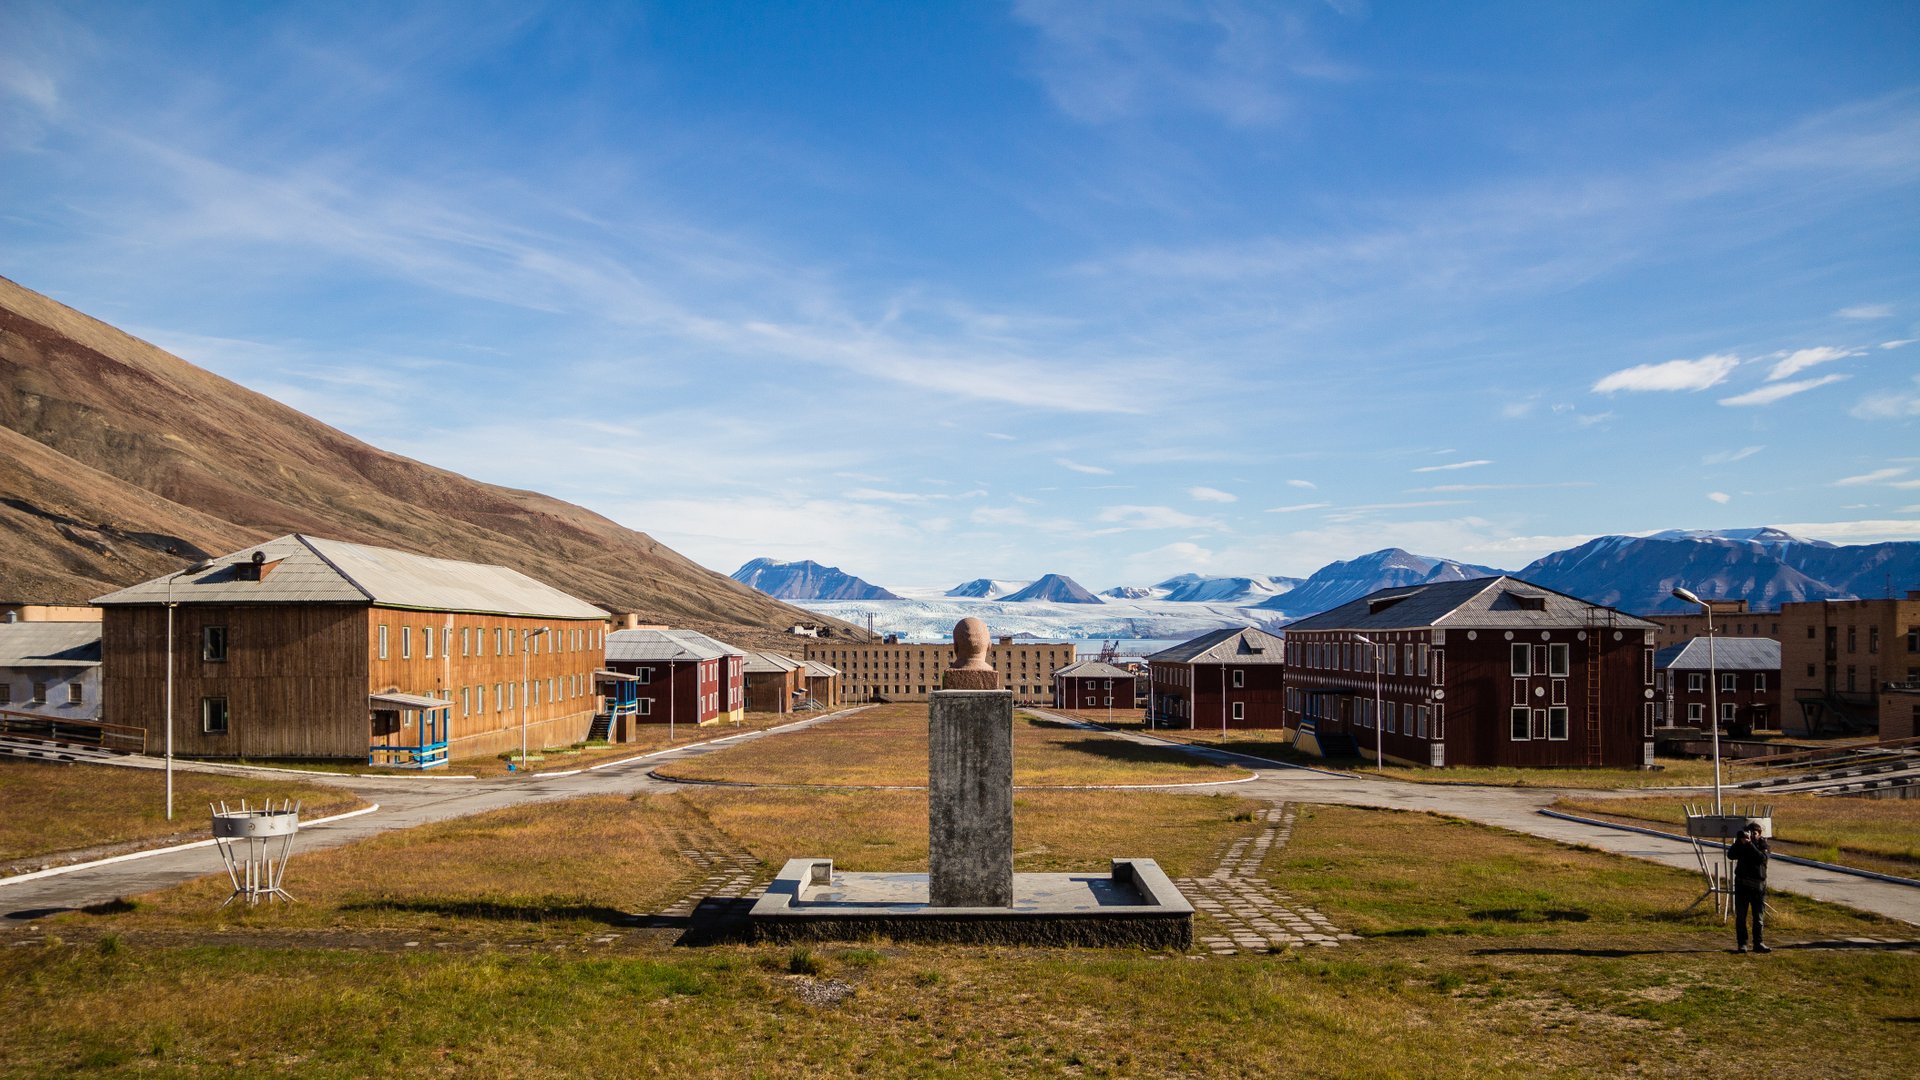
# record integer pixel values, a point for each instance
(407, 801)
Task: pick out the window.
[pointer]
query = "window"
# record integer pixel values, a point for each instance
(466, 641)
(406, 643)
(213, 643)
(1696, 682)
(1913, 639)
(1696, 712)
(1539, 723)
(1853, 638)
(1729, 682)
(1522, 662)
(1439, 722)
(1239, 679)
(1408, 666)
(1421, 713)
(496, 642)
(39, 693)
(75, 693)
(1727, 712)
(1392, 718)
(1557, 723)
(426, 641)
(1439, 667)
(1393, 660)
(645, 674)
(6, 693)
(466, 701)
(1239, 709)
(1559, 659)
(1517, 721)
(646, 706)
(1423, 658)
(497, 698)
(380, 638)
(213, 715)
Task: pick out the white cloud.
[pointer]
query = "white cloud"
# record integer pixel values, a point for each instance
(1802, 359)
(1725, 457)
(1899, 343)
(1720, 497)
(1153, 517)
(1297, 507)
(1499, 487)
(1877, 476)
(1773, 392)
(1594, 419)
(1308, 484)
(1888, 404)
(1002, 436)
(1866, 311)
(878, 495)
(1091, 470)
(1698, 374)
(1212, 495)
(1856, 532)
(1455, 465)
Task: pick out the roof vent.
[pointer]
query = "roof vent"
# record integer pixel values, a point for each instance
(255, 568)
(1374, 607)
(1529, 601)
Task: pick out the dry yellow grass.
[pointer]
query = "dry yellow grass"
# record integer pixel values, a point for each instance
(887, 746)
(1875, 834)
(52, 808)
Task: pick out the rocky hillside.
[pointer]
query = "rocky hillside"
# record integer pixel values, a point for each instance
(120, 461)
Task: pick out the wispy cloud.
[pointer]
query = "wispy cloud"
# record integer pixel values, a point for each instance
(1877, 476)
(1075, 466)
(1897, 404)
(1212, 495)
(1297, 507)
(1499, 487)
(1720, 497)
(1802, 359)
(1866, 311)
(1710, 370)
(1901, 343)
(1003, 436)
(1153, 517)
(1474, 464)
(1307, 484)
(1725, 457)
(1772, 392)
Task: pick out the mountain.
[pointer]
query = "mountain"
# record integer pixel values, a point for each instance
(807, 580)
(1056, 588)
(120, 462)
(986, 588)
(1336, 583)
(1765, 567)
(1128, 592)
(1199, 588)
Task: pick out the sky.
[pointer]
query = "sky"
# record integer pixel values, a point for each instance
(938, 291)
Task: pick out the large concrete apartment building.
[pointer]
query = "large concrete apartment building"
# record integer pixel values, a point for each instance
(900, 672)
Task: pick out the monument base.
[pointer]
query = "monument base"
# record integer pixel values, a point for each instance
(1133, 906)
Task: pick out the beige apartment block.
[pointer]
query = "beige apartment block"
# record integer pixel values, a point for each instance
(1838, 656)
(895, 672)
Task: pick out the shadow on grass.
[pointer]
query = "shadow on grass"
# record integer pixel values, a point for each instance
(505, 912)
(1529, 915)
(1131, 753)
(1543, 950)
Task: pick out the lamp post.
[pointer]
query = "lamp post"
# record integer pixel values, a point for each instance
(1379, 709)
(525, 637)
(1713, 688)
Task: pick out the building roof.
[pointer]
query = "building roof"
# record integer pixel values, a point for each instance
(1092, 669)
(1502, 602)
(818, 670)
(760, 663)
(670, 645)
(50, 644)
(1233, 645)
(303, 569)
(1729, 654)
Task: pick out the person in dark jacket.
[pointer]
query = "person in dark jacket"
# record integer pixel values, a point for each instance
(1749, 854)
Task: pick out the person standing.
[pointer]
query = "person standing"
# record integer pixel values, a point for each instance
(1749, 854)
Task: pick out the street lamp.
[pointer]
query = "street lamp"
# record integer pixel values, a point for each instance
(1379, 709)
(1713, 688)
(525, 637)
(194, 569)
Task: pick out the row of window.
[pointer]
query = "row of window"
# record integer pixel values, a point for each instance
(1729, 682)
(473, 640)
(473, 699)
(1410, 658)
(76, 693)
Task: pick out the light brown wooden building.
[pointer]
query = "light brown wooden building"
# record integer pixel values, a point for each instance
(310, 648)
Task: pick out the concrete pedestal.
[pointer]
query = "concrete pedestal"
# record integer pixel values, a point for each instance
(970, 799)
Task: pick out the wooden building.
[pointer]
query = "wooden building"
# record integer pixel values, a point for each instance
(683, 677)
(51, 669)
(1489, 671)
(309, 648)
(898, 672)
(1093, 685)
(1748, 674)
(775, 683)
(823, 684)
(1232, 678)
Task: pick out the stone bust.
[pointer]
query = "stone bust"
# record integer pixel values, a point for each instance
(970, 670)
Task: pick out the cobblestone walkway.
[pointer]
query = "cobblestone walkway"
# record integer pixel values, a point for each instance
(1248, 913)
(722, 868)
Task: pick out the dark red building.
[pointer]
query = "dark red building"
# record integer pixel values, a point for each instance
(1746, 669)
(684, 676)
(1490, 671)
(1092, 684)
(1233, 678)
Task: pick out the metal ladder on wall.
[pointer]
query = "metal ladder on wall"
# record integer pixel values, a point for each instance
(1599, 620)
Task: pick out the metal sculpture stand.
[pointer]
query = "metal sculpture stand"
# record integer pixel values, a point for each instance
(245, 838)
(1702, 825)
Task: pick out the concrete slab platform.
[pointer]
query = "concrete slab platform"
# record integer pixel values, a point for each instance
(1133, 905)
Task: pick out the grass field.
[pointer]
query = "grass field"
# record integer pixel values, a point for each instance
(1484, 954)
(887, 746)
(46, 809)
(1874, 834)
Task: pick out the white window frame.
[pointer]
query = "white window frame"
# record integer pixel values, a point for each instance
(1559, 659)
(1239, 679)
(1565, 717)
(380, 641)
(1239, 709)
(1519, 724)
(1519, 659)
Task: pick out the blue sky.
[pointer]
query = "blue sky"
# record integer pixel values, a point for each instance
(937, 291)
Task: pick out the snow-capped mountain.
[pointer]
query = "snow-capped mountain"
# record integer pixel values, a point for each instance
(987, 588)
(807, 580)
(1336, 583)
(1199, 588)
(1128, 592)
(1054, 588)
(1765, 567)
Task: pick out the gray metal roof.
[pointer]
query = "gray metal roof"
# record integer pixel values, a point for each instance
(310, 570)
(394, 699)
(1092, 669)
(1488, 603)
(668, 645)
(50, 644)
(1233, 645)
(818, 670)
(1729, 654)
(760, 663)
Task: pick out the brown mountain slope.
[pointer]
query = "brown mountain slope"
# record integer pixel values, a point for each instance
(112, 451)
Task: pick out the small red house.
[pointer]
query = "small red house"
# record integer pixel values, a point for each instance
(1748, 674)
(684, 676)
(1232, 678)
(1092, 684)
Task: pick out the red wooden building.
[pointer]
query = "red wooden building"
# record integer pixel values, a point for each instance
(1748, 673)
(685, 677)
(1489, 671)
(1092, 684)
(1233, 678)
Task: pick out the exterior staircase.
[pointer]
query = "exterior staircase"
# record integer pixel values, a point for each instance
(601, 728)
